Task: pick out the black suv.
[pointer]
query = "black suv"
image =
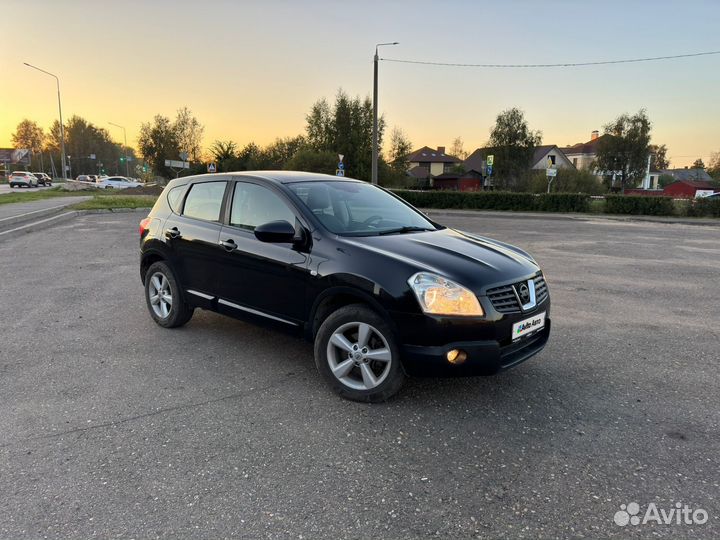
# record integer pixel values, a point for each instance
(382, 290)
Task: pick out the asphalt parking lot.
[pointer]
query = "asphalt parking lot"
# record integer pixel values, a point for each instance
(112, 426)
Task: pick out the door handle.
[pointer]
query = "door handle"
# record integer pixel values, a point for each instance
(229, 244)
(172, 233)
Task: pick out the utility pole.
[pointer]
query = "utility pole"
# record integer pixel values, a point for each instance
(62, 129)
(375, 113)
(127, 166)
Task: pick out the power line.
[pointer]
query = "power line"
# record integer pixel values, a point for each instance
(564, 64)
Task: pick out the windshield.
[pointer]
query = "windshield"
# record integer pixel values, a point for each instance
(358, 209)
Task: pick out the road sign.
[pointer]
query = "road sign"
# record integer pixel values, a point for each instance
(490, 160)
(551, 172)
(489, 169)
(340, 157)
(212, 167)
(177, 164)
(341, 165)
(183, 156)
(340, 172)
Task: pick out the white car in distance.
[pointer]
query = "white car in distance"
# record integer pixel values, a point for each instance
(117, 182)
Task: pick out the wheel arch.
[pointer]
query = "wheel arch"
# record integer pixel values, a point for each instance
(332, 299)
(150, 257)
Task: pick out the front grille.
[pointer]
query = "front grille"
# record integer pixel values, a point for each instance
(541, 290)
(504, 299)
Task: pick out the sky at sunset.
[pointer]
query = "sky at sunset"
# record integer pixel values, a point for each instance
(250, 70)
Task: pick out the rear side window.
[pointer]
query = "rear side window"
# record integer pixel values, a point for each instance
(255, 205)
(204, 201)
(174, 198)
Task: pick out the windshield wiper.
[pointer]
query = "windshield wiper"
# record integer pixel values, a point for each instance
(403, 230)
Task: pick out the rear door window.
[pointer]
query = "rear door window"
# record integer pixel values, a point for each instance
(204, 201)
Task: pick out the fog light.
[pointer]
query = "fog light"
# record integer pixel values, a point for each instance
(456, 356)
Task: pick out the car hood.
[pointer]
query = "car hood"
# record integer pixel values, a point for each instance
(473, 261)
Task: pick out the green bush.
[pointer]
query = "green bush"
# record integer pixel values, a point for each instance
(639, 205)
(563, 202)
(704, 207)
(498, 200)
(566, 181)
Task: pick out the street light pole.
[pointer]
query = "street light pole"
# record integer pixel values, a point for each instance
(127, 167)
(375, 113)
(62, 129)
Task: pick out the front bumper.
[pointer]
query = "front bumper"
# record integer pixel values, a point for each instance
(483, 357)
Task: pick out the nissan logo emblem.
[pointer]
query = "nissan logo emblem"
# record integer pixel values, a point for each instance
(524, 293)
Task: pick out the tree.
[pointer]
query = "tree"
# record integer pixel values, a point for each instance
(90, 148)
(698, 164)
(223, 150)
(189, 133)
(223, 154)
(513, 144)
(659, 160)
(395, 170)
(29, 135)
(319, 126)
(624, 152)
(319, 161)
(400, 148)
(157, 142)
(279, 153)
(457, 149)
(345, 128)
(714, 166)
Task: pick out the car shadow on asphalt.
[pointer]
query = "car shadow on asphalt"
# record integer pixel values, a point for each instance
(277, 352)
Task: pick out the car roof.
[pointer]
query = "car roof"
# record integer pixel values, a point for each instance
(280, 177)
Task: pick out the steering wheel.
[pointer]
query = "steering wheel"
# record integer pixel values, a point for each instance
(372, 219)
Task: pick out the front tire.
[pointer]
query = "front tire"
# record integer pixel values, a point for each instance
(357, 354)
(164, 297)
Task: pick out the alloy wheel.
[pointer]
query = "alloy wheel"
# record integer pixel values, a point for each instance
(359, 356)
(160, 295)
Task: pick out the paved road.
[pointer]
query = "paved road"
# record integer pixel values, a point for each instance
(5, 188)
(112, 426)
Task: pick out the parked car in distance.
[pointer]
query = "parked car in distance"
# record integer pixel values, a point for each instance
(22, 179)
(117, 182)
(382, 290)
(93, 177)
(83, 178)
(43, 178)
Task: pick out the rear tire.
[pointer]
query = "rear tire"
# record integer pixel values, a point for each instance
(164, 297)
(357, 354)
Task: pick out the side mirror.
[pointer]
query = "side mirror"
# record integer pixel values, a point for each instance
(276, 232)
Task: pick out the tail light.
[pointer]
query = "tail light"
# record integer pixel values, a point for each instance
(145, 226)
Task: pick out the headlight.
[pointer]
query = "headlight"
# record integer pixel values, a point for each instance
(440, 296)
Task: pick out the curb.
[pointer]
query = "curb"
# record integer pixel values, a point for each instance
(42, 224)
(114, 211)
(43, 212)
(706, 222)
